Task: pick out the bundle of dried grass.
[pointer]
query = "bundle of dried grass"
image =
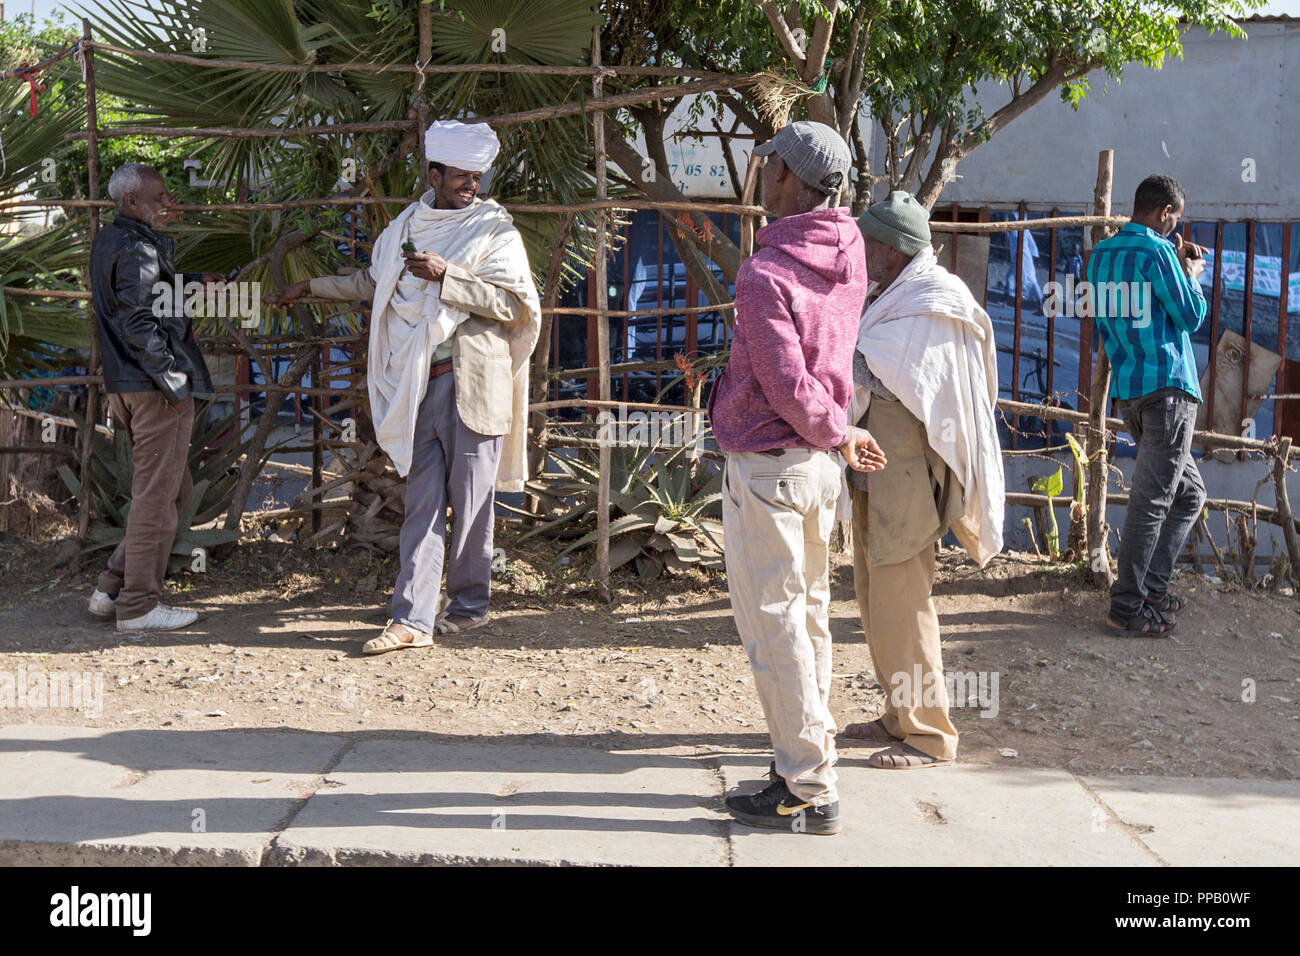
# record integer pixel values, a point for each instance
(777, 92)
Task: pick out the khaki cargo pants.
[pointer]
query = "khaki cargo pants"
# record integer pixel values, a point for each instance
(777, 516)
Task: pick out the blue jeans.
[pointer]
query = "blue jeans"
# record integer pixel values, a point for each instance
(1164, 502)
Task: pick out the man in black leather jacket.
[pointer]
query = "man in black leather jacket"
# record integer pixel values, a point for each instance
(152, 370)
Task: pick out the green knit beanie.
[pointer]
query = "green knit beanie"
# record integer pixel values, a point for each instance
(899, 221)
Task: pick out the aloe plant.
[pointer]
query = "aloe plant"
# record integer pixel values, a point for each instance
(665, 505)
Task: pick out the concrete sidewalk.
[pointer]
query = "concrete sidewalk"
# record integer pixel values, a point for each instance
(73, 795)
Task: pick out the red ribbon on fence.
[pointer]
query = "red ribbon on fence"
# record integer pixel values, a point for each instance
(22, 73)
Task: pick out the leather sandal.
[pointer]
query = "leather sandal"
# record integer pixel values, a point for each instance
(446, 624)
(395, 637)
(903, 757)
(872, 731)
(1170, 603)
(1148, 622)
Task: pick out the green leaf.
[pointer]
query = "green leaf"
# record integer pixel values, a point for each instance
(1048, 484)
(616, 527)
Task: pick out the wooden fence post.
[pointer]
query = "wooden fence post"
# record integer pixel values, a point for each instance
(1283, 502)
(92, 391)
(1095, 436)
(602, 323)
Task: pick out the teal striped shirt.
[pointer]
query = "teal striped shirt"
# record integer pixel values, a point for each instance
(1146, 310)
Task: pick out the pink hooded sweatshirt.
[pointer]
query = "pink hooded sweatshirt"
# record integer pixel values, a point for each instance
(798, 304)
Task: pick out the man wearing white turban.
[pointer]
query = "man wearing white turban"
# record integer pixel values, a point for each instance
(454, 318)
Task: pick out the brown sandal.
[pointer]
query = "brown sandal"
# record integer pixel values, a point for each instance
(902, 757)
(1148, 622)
(872, 731)
(447, 623)
(392, 639)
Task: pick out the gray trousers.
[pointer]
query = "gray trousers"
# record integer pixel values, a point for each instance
(450, 464)
(1165, 500)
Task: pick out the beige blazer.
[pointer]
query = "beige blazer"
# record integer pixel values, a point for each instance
(480, 346)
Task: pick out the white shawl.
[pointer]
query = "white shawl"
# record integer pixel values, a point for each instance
(929, 342)
(409, 320)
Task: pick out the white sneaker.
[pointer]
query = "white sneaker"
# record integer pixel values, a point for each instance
(101, 605)
(161, 618)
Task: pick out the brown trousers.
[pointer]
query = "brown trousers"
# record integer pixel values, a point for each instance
(902, 628)
(160, 490)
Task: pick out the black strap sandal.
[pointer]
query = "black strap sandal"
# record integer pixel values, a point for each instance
(1170, 603)
(1148, 622)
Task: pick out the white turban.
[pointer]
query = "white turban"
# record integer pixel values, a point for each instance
(467, 146)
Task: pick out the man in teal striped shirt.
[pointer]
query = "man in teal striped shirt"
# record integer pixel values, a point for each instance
(1147, 303)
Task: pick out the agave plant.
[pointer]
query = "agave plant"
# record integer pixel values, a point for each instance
(214, 482)
(665, 505)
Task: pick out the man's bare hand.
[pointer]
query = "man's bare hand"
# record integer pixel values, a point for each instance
(425, 265)
(861, 451)
(1190, 256)
(291, 293)
(211, 278)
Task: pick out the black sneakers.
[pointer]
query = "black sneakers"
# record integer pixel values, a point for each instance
(776, 808)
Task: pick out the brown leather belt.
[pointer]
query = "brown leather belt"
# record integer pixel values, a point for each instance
(442, 368)
(778, 452)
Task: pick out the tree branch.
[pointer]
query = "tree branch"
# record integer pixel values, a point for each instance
(721, 250)
(1059, 71)
(783, 34)
(821, 42)
(920, 150)
(851, 77)
(748, 115)
(725, 142)
(862, 189)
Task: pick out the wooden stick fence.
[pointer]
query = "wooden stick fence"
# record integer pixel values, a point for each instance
(1099, 429)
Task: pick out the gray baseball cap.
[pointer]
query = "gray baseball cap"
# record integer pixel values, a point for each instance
(814, 152)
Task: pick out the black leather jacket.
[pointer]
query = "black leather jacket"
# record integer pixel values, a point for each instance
(140, 350)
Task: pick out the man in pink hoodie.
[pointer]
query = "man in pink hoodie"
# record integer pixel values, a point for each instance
(780, 412)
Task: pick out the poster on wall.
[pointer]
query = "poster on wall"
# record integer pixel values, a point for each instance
(1267, 278)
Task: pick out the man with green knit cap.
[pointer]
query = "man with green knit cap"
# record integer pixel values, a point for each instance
(925, 385)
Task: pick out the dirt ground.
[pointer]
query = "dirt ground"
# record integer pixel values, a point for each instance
(281, 628)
